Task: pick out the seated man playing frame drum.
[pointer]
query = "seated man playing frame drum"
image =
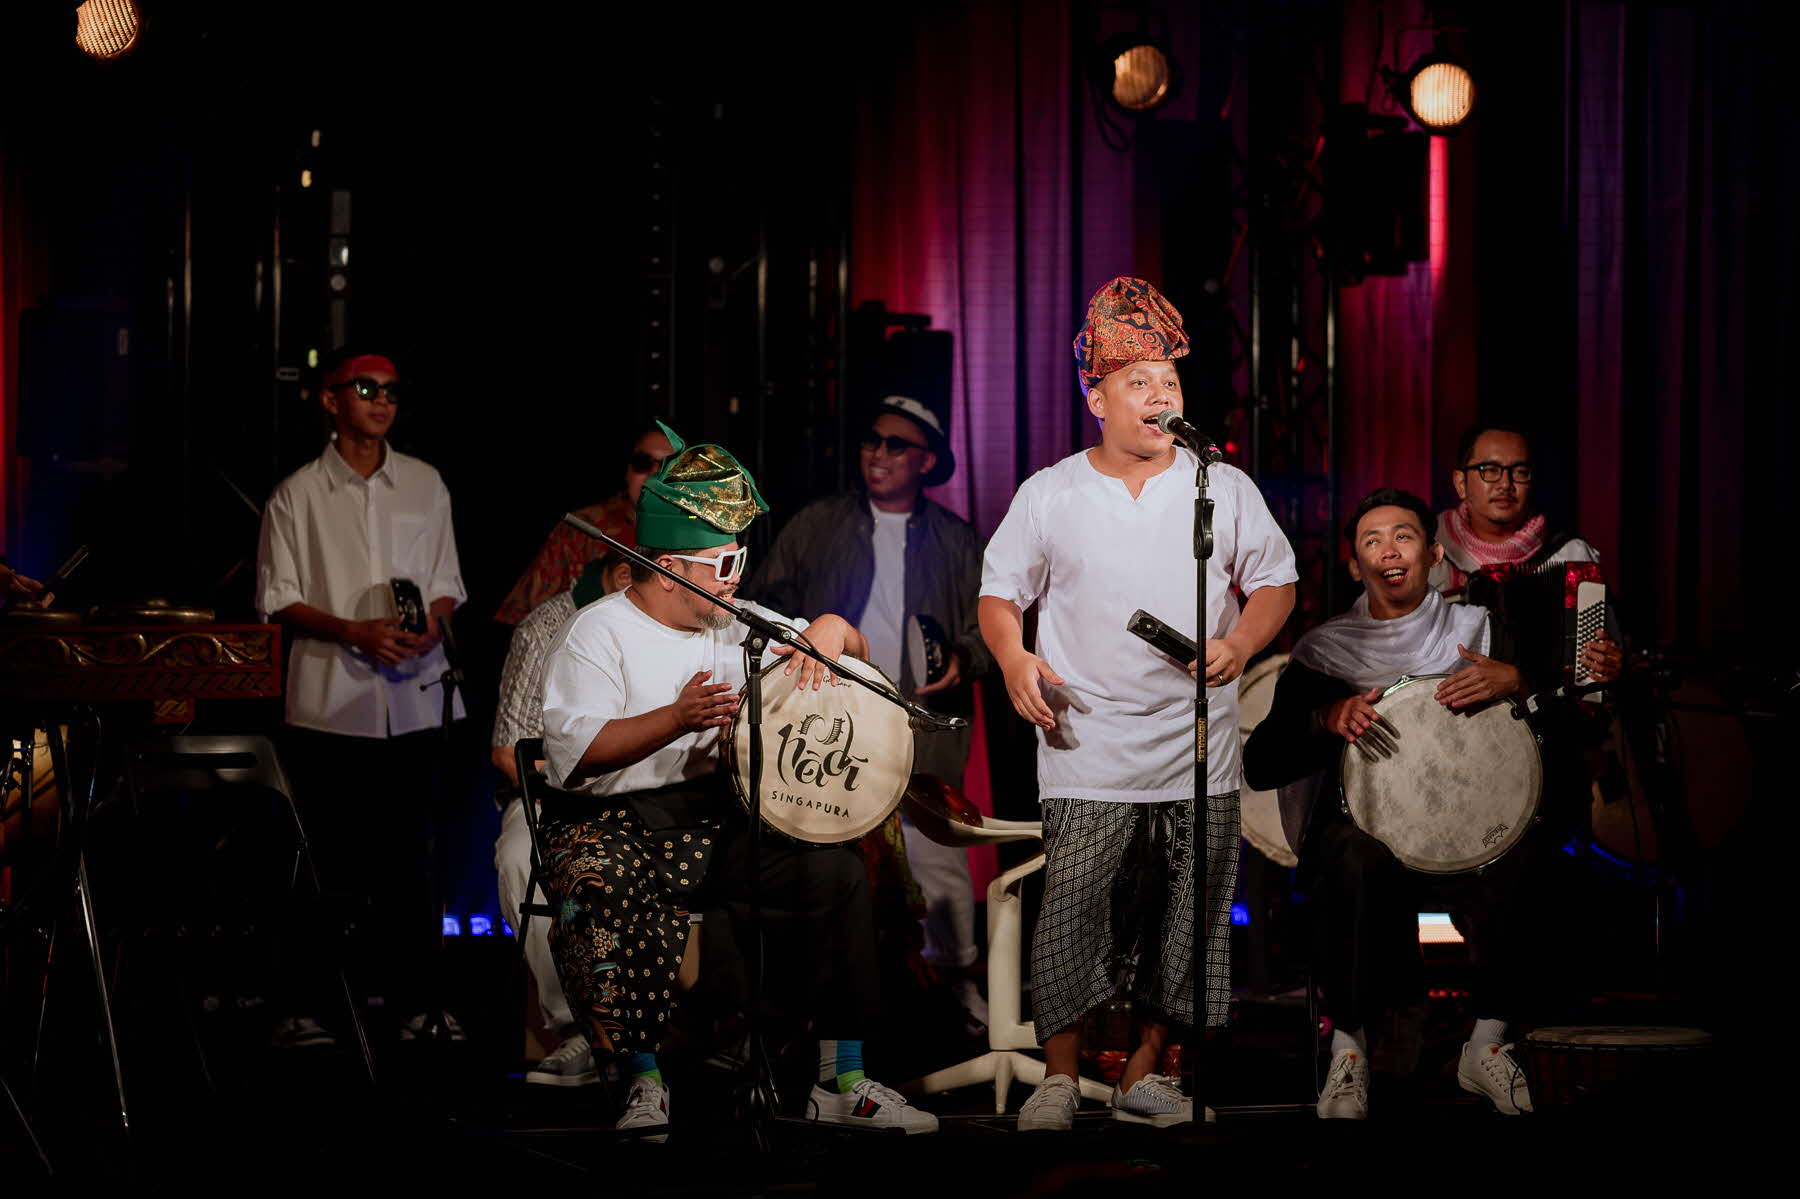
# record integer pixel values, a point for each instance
(1369, 956)
(639, 685)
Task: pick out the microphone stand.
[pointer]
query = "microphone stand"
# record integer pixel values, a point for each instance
(1206, 453)
(759, 1086)
(435, 1026)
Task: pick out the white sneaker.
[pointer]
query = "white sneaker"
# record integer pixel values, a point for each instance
(646, 1106)
(570, 1065)
(1346, 1093)
(1156, 1100)
(1051, 1107)
(1491, 1070)
(868, 1105)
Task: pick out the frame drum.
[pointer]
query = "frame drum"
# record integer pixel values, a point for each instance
(1622, 1064)
(836, 761)
(1459, 791)
(1259, 812)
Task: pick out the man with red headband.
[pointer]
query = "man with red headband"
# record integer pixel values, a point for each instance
(1088, 541)
(363, 744)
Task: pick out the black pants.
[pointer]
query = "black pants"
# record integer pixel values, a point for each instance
(1367, 906)
(365, 803)
(818, 921)
(629, 869)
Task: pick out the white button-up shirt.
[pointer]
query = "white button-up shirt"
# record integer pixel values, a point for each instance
(1079, 546)
(333, 540)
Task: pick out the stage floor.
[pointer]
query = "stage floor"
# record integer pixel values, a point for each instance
(439, 1123)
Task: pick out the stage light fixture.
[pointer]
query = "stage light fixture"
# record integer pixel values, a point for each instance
(1142, 77)
(108, 29)
(1438, 93)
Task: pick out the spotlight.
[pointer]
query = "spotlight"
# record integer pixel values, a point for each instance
(1137, 73)
(1437, 92)
(108, 29)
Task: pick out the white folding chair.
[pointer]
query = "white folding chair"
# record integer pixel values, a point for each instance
(1008, 1035)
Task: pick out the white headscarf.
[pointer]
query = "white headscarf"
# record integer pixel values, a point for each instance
(1366, 652)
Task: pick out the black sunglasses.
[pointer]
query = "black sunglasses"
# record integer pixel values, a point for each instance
(895, 445)
(643, 463)
(369, 388)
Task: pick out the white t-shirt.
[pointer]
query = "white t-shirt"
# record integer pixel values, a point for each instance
(1075, 543)
(613, 661)
(333, 540)
(883, 619)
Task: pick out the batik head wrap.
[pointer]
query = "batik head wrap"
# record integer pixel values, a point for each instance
(1128, 321)
(700, 497)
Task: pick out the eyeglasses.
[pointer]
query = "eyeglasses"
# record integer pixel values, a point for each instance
(895, 445)
(369, 388)
(642, 463)
(727, 567)
(1490, 472)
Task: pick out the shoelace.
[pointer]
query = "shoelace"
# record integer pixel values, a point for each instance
(644, 1094)
(1159, 1089)
(1515, 1074)
(567, 1054)
(868, 1088)
(1343, 1078)
(1045, 1096)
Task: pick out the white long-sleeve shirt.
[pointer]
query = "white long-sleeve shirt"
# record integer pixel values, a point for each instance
(333, 540)
(1078, 545)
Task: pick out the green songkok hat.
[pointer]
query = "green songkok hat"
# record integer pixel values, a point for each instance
(699, 498)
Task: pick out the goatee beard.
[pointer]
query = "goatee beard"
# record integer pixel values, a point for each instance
(712, 618)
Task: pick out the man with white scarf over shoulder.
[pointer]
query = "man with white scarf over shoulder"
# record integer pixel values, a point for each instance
(1369, 957)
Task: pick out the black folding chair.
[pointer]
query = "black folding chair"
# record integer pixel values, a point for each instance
(216, 764)
(532, 786)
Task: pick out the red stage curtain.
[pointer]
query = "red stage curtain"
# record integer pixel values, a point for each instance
(1680, 201)
(1406, 344)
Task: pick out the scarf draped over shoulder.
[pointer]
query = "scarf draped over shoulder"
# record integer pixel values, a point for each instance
(1366, 652)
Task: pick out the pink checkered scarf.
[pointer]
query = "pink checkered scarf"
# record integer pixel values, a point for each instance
(1455, 532)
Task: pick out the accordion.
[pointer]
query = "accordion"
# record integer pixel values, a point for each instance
(1552, 610)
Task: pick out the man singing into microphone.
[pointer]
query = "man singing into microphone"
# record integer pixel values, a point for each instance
(1090, 540)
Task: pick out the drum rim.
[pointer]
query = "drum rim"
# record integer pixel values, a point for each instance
(1269, 667)
(1537, 805)
(729, 749)
(1541, 1038)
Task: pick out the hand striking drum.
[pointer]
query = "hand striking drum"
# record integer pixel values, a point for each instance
(1407, 780)
(639, 689)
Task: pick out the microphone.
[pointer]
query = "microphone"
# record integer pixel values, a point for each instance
(1176, 425)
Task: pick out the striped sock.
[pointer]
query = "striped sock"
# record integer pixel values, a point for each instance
(840, 1063)
(643, 1065)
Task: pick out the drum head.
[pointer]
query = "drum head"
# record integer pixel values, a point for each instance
(1260, 811)
(1618, 1036)
(835, 761)
(1461, 789)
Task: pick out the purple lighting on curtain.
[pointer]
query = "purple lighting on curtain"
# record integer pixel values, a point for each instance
(965, 199)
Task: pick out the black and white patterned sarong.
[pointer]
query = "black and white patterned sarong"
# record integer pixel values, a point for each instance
(1118, 912)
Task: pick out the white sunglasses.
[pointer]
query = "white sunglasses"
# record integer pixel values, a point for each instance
(727, 567)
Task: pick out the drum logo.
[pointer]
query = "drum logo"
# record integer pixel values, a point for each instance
(1492, 837)
(817, 751)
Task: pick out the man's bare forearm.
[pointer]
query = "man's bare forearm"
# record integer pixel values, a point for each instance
(626, 741)
(1265, 612)
(1002, 627)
